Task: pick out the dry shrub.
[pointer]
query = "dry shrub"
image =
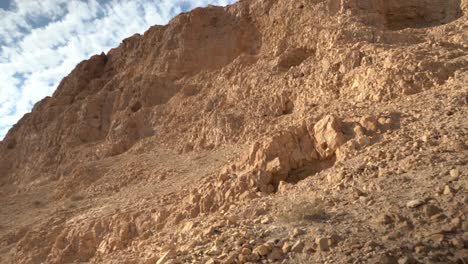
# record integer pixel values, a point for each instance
(301, 209)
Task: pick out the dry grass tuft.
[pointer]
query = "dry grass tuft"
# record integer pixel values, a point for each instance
(302, 209)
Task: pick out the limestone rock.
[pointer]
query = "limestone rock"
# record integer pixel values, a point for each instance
(328, 134)
(165, 257)
(210, 139)
(262, 250)
(414, 203)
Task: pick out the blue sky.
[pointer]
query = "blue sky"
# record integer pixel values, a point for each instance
(42, 40)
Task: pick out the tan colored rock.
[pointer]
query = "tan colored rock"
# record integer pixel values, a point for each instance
(274, 166)
(328, 134)
(335, 177)
(211, 261)
(283, 187)
(454, 173)
(151, 259)
(165, 257)
(287, 247)
(251, 110)
(229, 260)
(187, 227)
(323, 244)
(265, 220)
(447, 190)
(414, 203)
(246, 251)
(275, 254)
(262, 250)
(369, 123)
(298, 246)
(297, 232)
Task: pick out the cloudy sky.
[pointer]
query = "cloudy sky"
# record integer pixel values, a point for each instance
(42, 40)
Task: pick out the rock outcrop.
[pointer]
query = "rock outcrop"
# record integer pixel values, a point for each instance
(269, 130)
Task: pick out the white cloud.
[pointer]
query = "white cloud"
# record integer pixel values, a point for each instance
(17, 22)
(33, 59)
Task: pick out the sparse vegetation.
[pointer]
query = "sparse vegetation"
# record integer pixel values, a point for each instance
(267, 132)
(302, 209)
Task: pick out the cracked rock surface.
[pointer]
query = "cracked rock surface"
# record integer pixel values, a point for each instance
(268, 131)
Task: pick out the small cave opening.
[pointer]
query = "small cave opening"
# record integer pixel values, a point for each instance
(403, 14)
(288, 108)
(310, 169)
(303, 172)
(11, 144)
(293, 58)
(135, 107)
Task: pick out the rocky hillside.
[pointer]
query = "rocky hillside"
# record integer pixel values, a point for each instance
(268, 131)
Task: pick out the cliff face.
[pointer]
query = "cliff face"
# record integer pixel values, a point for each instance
(100, 101)
(301, 87)
(111, 101)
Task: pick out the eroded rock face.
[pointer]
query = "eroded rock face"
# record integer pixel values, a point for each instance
(398, 14)
(132, 93)
(287, 157)
(241, 109)
(108, 97)
(420, 13)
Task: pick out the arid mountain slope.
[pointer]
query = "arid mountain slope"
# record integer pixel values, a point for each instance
(324, 131)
